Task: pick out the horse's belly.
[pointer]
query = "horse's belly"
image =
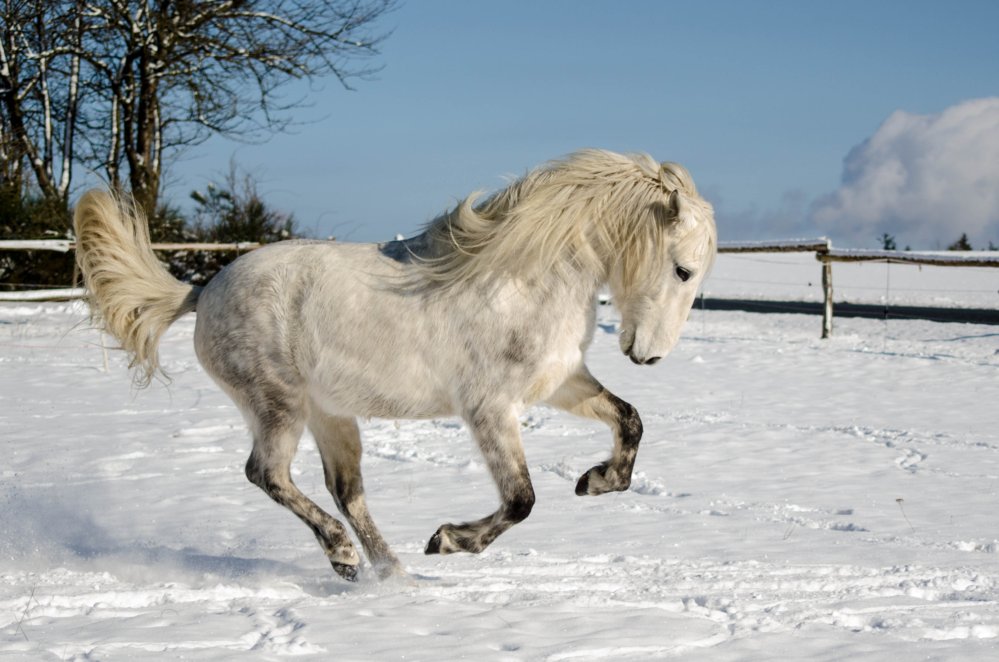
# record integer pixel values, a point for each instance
(351, 403)
(379, 392)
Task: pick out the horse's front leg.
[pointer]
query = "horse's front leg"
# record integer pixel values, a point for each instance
(498, 436)
(583, 395)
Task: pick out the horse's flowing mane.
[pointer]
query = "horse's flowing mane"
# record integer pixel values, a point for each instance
(572, 215)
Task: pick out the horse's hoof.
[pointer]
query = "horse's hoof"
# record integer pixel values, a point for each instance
(593, 481)
(348, 572)
(600, 480)
(434, 544)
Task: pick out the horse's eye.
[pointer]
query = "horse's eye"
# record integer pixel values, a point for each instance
(683, 274)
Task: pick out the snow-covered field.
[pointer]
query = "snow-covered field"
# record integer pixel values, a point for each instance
(795, 499)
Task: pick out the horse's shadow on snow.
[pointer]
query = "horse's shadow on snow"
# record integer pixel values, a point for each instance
(187, 559)
(138, 561)
(46, 530)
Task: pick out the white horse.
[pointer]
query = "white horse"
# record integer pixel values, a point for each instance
(487, 312)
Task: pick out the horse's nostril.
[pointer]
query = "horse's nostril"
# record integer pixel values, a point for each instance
(653, 360)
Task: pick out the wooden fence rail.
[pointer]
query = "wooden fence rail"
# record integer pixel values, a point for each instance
(822, 247)
(819, 245)
(949, 259)
(65, 245)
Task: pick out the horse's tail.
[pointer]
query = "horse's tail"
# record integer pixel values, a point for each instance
(132, 296)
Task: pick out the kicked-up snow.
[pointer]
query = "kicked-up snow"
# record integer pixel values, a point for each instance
(794, 498)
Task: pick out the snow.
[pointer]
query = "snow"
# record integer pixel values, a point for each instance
(60, 245)
(941, 258)
(806, 245)
(794, 498)
(44, 295)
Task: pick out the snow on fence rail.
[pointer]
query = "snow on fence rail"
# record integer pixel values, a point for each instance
(54, 294)
(821, 246)
(779, 246)
(942, 259)
(65, 245)
(59, 245)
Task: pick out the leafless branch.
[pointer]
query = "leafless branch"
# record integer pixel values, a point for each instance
(121, 84)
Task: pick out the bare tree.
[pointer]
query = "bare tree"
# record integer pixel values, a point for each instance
(119, 85)
(40, 91)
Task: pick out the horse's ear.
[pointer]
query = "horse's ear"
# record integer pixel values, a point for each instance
(678, 213)
(673, 204)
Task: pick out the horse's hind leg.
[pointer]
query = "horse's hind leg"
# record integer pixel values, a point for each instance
(498, 436)
(339, 443)
(584, 396)
(275, 439)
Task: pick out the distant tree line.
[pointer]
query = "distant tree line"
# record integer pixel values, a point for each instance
(887, 242)
(120, 87)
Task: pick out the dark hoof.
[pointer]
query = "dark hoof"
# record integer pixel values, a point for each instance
(585, 487)
(348, 572)
(602, 479)
(434, 544)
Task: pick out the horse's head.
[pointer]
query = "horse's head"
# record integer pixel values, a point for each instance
(655, 287)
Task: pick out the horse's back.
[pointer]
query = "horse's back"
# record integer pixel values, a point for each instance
(259, 288)
(327, 319)
(251, 316)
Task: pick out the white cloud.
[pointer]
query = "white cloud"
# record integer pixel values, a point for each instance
(923, 178)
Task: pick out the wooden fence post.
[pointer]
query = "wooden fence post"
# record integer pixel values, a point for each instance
(827, 291)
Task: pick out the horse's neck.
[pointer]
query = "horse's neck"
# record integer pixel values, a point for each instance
(574, 288)
(561, 295)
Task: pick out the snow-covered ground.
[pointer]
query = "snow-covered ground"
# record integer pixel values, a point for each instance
(794, 499)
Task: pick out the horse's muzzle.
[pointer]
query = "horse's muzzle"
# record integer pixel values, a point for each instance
(638, 361)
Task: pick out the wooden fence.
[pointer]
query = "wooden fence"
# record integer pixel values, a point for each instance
(822, 247)
(826, 254)
(66, 245)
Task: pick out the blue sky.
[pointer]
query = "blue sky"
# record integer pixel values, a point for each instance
(762, 101)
